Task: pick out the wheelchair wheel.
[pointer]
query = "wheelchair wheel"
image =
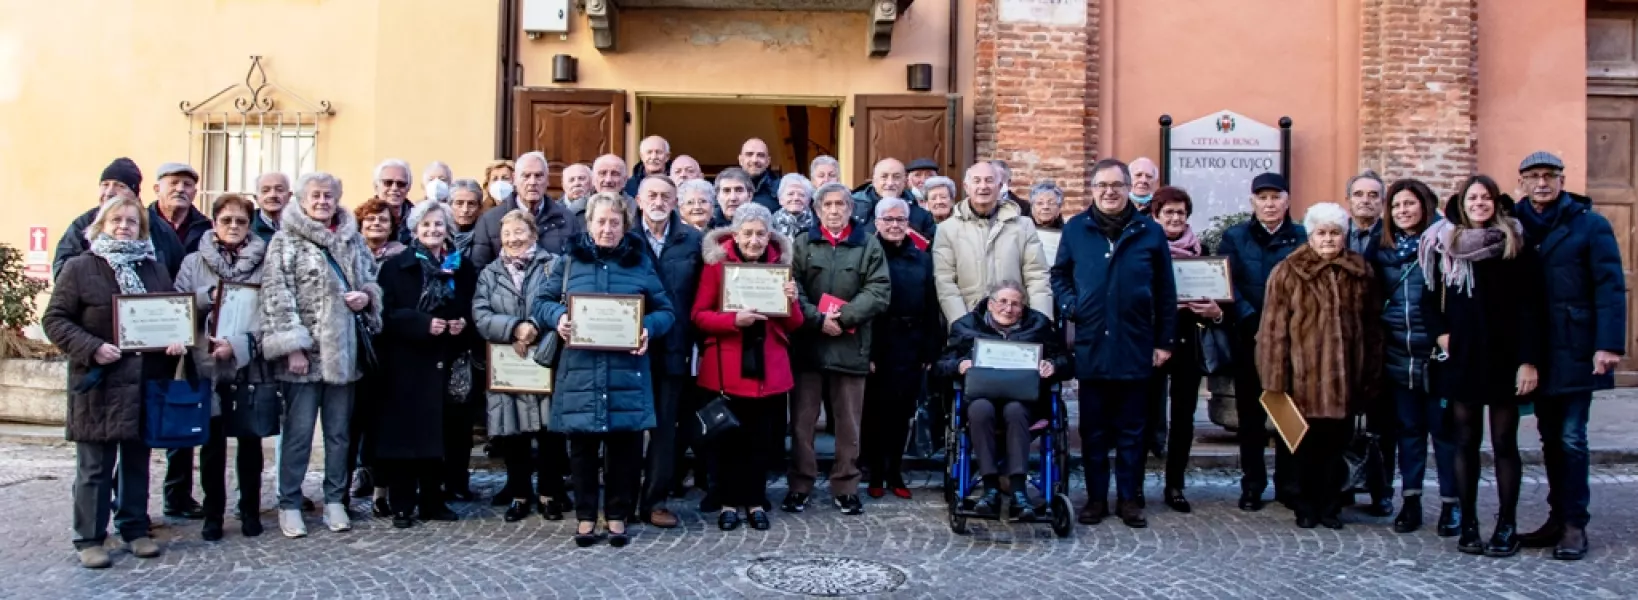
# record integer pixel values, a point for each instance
(1063, 511)
(958, 523)
(951, 455)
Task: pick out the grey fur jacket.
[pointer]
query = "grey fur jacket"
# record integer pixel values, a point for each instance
(302, 307)
(201, 273)
(497, 309)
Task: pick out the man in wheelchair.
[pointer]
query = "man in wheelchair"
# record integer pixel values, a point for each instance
(1002, 379)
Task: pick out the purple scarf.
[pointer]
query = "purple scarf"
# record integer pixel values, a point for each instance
(1451, 251)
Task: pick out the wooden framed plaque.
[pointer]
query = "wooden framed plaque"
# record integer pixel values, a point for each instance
(759, 288)
(606, 321)
(1205, 277)
(509, 372)
(236, 308)
(997, 354)
(1287, 418)
(150, 322)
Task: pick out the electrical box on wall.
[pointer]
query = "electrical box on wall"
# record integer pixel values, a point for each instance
(545, 16)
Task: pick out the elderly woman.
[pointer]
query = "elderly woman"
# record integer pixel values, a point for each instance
(376, 223)
(939, 197)
(497, 183)
(1489, 324)
(319, 299)
(501, 312)
(796, 198)
(1046, 205)
(1172, 208)
(1004, 315)
(227, 254)
(696, 200)
(1419, 411)
(426, 297)
(604, 399)
(466, 200)
(1320, 343)
(746, 356)
(906, 341)
(105, 384)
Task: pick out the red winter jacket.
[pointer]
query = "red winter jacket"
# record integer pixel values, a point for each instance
(723, 343)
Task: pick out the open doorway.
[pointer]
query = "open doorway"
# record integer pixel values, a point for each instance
(712, 128)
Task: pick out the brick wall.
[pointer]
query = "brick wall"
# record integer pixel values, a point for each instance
(1037, 100)
(1419, 89)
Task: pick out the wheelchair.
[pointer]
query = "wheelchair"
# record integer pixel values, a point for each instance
(1050, 479)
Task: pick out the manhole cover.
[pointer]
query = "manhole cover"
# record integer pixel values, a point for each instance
(825, 576)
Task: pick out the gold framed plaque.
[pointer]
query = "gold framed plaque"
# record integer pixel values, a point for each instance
(1287, 418)
(236, 307)
(997, 354)
(759, 288)
(606, 321)
(1205, 277)
(509, 372)
(149, 322)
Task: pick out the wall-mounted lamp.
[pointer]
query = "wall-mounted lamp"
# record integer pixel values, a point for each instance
(565, 69)
(918, 77)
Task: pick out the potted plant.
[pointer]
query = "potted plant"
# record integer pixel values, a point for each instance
(19, 298)
(1220, 407)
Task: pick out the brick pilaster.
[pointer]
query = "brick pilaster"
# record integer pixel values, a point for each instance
(1419, 68)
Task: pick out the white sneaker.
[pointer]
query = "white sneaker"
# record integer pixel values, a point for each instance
(290, 523)
(335, 517)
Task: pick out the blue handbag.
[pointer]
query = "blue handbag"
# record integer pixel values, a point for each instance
(176, 412)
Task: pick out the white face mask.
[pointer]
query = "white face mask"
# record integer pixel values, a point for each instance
(437, 190)
(500, 189)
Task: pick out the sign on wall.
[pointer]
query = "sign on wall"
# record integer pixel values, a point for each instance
(1070, 13)
(1214, 159)
(37, 262)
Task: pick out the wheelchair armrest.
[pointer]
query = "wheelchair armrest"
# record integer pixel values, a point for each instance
(955, 384)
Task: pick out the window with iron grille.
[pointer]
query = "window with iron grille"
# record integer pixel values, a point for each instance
(251, 128)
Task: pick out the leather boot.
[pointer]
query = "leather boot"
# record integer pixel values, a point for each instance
(1450, 519)
(1545, 537)
(1470, 543)
(1410, 515)
(1573, 545)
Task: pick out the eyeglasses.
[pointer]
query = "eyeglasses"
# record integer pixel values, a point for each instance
(1108, 187)
(232, 221)
(1540, 176)
(399, 183)
(1006, 303)
(893, 220)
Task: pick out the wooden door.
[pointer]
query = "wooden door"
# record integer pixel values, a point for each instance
(570, 126)
(906, 127)
(1612, 142)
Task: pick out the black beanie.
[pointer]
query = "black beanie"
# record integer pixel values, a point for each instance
(125, 171)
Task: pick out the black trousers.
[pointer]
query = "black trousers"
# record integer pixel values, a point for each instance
(412, 482)
(660, 460)
(456, 468)
(700, 464)
(1175, 389)
(1254, 433)
(890, 403)
(213, 473)
(616, 459)
(981, 430)
(523, 464)
(360, 439)
(741, 479)
(1320, 469)
(177, 491)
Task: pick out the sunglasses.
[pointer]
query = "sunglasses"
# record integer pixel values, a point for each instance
(232, 221)
(399, 183)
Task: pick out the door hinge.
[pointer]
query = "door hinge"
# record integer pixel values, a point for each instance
(850, 122)
(628, 117)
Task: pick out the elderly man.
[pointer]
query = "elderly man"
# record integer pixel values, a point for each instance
(887, 181)
(733, 190)
(685, 169)
(120, 177)
(1114, 279)
(272, 195)
(1003, 179)
(1365, 203)
(556, 224)
(754, 158)
(609, 175)
(824, 170)
(435, 181)
(987, 240)
(655, 154)
(392, 184)
(176, 227)
(676, 253)
(1587, 304)
(919, 170)
(577, 188)
(1145, 180)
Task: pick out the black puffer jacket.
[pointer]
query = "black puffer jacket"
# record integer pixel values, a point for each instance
(1407, 345)
(1033, 327)
(909, 334)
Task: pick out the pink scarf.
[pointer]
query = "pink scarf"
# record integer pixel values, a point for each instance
(1186, 245)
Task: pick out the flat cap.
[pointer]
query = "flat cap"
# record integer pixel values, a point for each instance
(1541, 159)
(922, 164)
(176, 168)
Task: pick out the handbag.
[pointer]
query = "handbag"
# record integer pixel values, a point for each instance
(460, 377)
(250, 409)
(1216, 350)
(1366, 469)
(1000, 385)
(551, 346)
(366, 346)
(176, 412)
(715, 418)
(921, 424)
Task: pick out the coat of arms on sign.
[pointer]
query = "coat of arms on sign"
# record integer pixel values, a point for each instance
(1225, 124)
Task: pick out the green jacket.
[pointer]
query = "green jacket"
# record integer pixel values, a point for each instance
(856, 272)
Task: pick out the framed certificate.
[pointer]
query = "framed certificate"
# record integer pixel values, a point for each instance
(997, 354)
(1206, 277)
(236, 308)
(147, 322)
(606, 321)
(759, 288)
(1049, 243)
(1287, 418)
(509, 372)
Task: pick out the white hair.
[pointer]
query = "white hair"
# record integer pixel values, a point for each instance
(389, 163)
(469, 185)
(887, 204)
(321, 178)
(278, 174)
(752, 211)
(663, 142)
(609, 157)
(536, 155)
(438, 165)
(832, 188)
(822, 161)
(937, 181)
(697, 186)
(1325, 213)
(798, 181)
(425, 209)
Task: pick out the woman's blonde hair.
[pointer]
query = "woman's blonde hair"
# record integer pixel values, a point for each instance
(118, 202)
(613, 201)
(488, 175)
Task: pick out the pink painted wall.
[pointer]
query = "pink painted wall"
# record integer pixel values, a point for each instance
(1532, 87)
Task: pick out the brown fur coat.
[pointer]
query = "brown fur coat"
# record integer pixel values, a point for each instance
(1319, 340)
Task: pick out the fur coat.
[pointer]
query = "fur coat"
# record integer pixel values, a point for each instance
(1321, 338)
(302, 308)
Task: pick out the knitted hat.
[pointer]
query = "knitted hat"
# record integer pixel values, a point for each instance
(123, 170)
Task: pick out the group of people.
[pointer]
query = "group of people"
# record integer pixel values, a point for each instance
(378, 321)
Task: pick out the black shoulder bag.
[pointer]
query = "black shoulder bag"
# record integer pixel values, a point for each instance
(251, 409)
(714, 418)
(366, 347)
(551, 346)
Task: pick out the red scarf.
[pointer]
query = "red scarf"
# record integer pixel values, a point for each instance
(836, 239)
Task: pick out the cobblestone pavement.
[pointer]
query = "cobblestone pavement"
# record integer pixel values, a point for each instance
(902, 549)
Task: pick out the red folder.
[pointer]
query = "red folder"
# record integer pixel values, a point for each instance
(828, 303)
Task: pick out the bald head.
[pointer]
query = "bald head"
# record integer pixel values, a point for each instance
(576, 181)
(654, 152)
(1145, 177)
(888, 178)
(684, 168)
(609, 174)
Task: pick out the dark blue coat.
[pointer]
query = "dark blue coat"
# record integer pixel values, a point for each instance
(170, 245)
(1252, 252)
(602, 391)
(1586, 294)
(638, 172)
(1407, 345)
(910, 333)
(765, 190)
(1120, 296)
(679, 267)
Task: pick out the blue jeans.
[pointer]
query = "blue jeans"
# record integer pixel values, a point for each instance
(1562, 421)
(1422, 415)
(305, 404)
(1113, 413)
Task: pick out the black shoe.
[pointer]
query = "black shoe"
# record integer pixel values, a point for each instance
(1470, 543)
(251, 526)
(1572, 545)
(1546, 537)
(381, 508)
(618, 539)
(1331, 522)
(363, 484)
(1131, 515)
(1022, 509)
(849, 504)
(728, 520)
(988, 503)
(518, 511)
(1175, 500)
(190, 511)
(1380, 507)
(1410, 515)
(1504, 542)
(795, 502)
(1450, 519)
(552, 509)
(438, 513)
(1093, 513)
(588, 537)
(1251, 501)
(759, 520)
(402, 520)
(1306, 521)
(212, 531)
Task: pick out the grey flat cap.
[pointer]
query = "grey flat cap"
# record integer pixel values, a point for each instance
(1541, 159)
(175, 168)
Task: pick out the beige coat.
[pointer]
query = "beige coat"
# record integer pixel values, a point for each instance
(969, 254)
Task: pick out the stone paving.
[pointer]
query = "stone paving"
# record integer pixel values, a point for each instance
(898, 549)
